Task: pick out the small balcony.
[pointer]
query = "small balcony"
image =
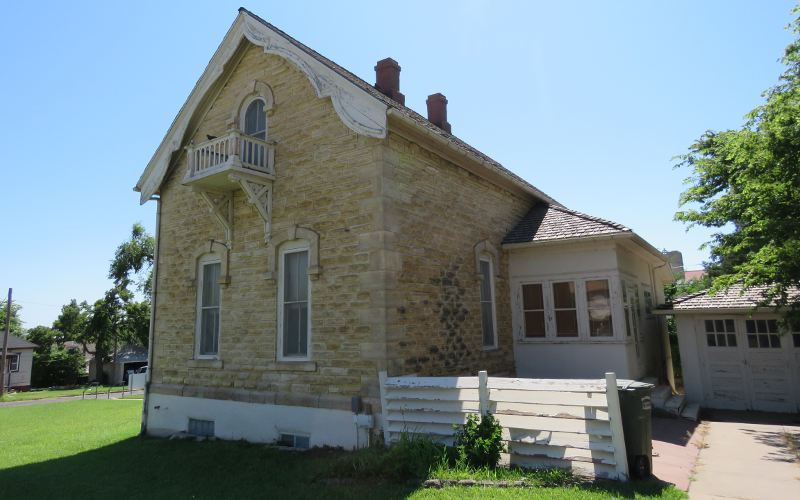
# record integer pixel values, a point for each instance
(211, 162)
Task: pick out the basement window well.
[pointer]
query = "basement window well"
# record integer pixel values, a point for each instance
(204, 428)
(294, 441)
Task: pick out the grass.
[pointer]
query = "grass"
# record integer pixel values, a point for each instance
(57, 392)
(90, 449)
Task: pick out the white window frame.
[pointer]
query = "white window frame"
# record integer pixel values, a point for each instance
(582, 309)
(201, 263)
(243, 115)
(493, 299)
(13, 360)
(286, 248)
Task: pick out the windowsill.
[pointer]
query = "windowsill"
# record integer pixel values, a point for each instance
(300, 365)
(205, 363)
(491, 348)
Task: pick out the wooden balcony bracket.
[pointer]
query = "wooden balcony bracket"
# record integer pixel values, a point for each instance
(259, 194)
(221, 206)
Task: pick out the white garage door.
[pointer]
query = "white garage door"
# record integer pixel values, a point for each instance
(749, 365)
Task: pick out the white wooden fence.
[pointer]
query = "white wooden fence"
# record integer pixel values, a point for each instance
(570, 424)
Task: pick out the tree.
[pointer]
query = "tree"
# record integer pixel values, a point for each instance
(133, 261)
(43, 337)
(16, 322)
(746, 184)
(71, 323)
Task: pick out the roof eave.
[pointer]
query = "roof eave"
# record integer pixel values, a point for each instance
(711, 310)
(622, 235)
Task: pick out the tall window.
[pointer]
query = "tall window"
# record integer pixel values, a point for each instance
(255, 120)
(565, 309)
(208, 304)
(294, 304)
(533, 309)
(487, 303)
(598, 303)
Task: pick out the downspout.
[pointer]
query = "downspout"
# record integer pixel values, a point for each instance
(666, 348)
(151, 335)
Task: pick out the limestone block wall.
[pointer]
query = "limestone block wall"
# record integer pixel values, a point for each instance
(435, 214)
(326, 180)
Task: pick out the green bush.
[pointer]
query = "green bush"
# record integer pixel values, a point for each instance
(57, 367)
(410, 458)
(479, 442)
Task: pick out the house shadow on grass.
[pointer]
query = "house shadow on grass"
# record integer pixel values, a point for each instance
(157, 468)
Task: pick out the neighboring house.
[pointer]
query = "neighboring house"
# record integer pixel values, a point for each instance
(313, 231)
(19, 362)
(88, 355)
(734, 355)
(128, 358)
(694, 275)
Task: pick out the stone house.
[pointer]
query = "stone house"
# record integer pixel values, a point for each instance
(312, 231)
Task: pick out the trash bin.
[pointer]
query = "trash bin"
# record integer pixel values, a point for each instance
(635, 406)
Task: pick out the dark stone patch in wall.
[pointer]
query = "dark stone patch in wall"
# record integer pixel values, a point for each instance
(452, 351)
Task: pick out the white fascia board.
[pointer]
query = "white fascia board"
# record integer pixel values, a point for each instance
(360, 111)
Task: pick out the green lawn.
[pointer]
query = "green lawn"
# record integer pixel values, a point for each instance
(57, 393)
(90, 449)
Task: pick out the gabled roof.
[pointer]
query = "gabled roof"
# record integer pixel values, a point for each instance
(550, 223)
(15, 342)
(360, 105)
(735, 298)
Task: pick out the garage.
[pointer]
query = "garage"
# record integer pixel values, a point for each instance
(734, 355)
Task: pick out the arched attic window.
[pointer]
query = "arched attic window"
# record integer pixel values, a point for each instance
(255, 119)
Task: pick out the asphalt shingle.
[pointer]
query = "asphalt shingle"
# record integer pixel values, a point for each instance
(736, 297)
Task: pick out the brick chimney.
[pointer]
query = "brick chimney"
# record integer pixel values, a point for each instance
(437, 111)
(387, 79)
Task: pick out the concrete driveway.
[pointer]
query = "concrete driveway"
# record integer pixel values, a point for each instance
(748, 455)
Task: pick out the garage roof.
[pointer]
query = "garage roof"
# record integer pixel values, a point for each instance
(735, 298)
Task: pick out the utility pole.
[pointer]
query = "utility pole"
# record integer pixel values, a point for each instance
(5, 346)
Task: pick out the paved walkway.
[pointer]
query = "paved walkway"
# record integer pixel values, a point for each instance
(676, 443)
(102, 395)
(748, 456)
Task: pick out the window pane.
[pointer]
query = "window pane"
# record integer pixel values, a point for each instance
(628, 321)
(719, 325)
(751, 326)
(532, 297)
(534, 324)
(295, 278)
(796, 339)
(295, 329)
(763, 341)
(211, 285)
(566, 324)
(255, 119)
(488, 324)
(772, 326)
(762, 326)
(598, 299)
(729, 326)
(732, 339)
(721, 340)
(209, 331)
(774, 341)
(752, 341)
(711, 339)
(709, 325)
(564, 295)
(486, 281)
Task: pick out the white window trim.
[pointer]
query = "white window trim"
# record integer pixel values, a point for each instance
(617, 314)
(493, 297)
(243, 113)
(17, 357)
(203, 261)
(291, 247)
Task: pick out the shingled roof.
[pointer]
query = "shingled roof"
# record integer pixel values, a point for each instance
(549, 223)
(736, 297)
(15, 342)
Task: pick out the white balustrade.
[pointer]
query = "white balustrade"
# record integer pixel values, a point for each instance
(233, 149)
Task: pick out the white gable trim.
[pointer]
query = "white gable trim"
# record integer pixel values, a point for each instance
(358, 110)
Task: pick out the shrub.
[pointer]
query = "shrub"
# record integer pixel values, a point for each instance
(410, 458)
(57, 367)
(479, 442)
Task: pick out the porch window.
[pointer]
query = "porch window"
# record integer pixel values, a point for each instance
(294, 300)
(487, 303)
(598, 303)
(566, 311)
(208, 309)
(533, 310)
(762, 334)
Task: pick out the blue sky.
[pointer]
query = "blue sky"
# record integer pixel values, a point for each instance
(589, 101)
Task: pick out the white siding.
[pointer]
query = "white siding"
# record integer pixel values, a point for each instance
(21, 378)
